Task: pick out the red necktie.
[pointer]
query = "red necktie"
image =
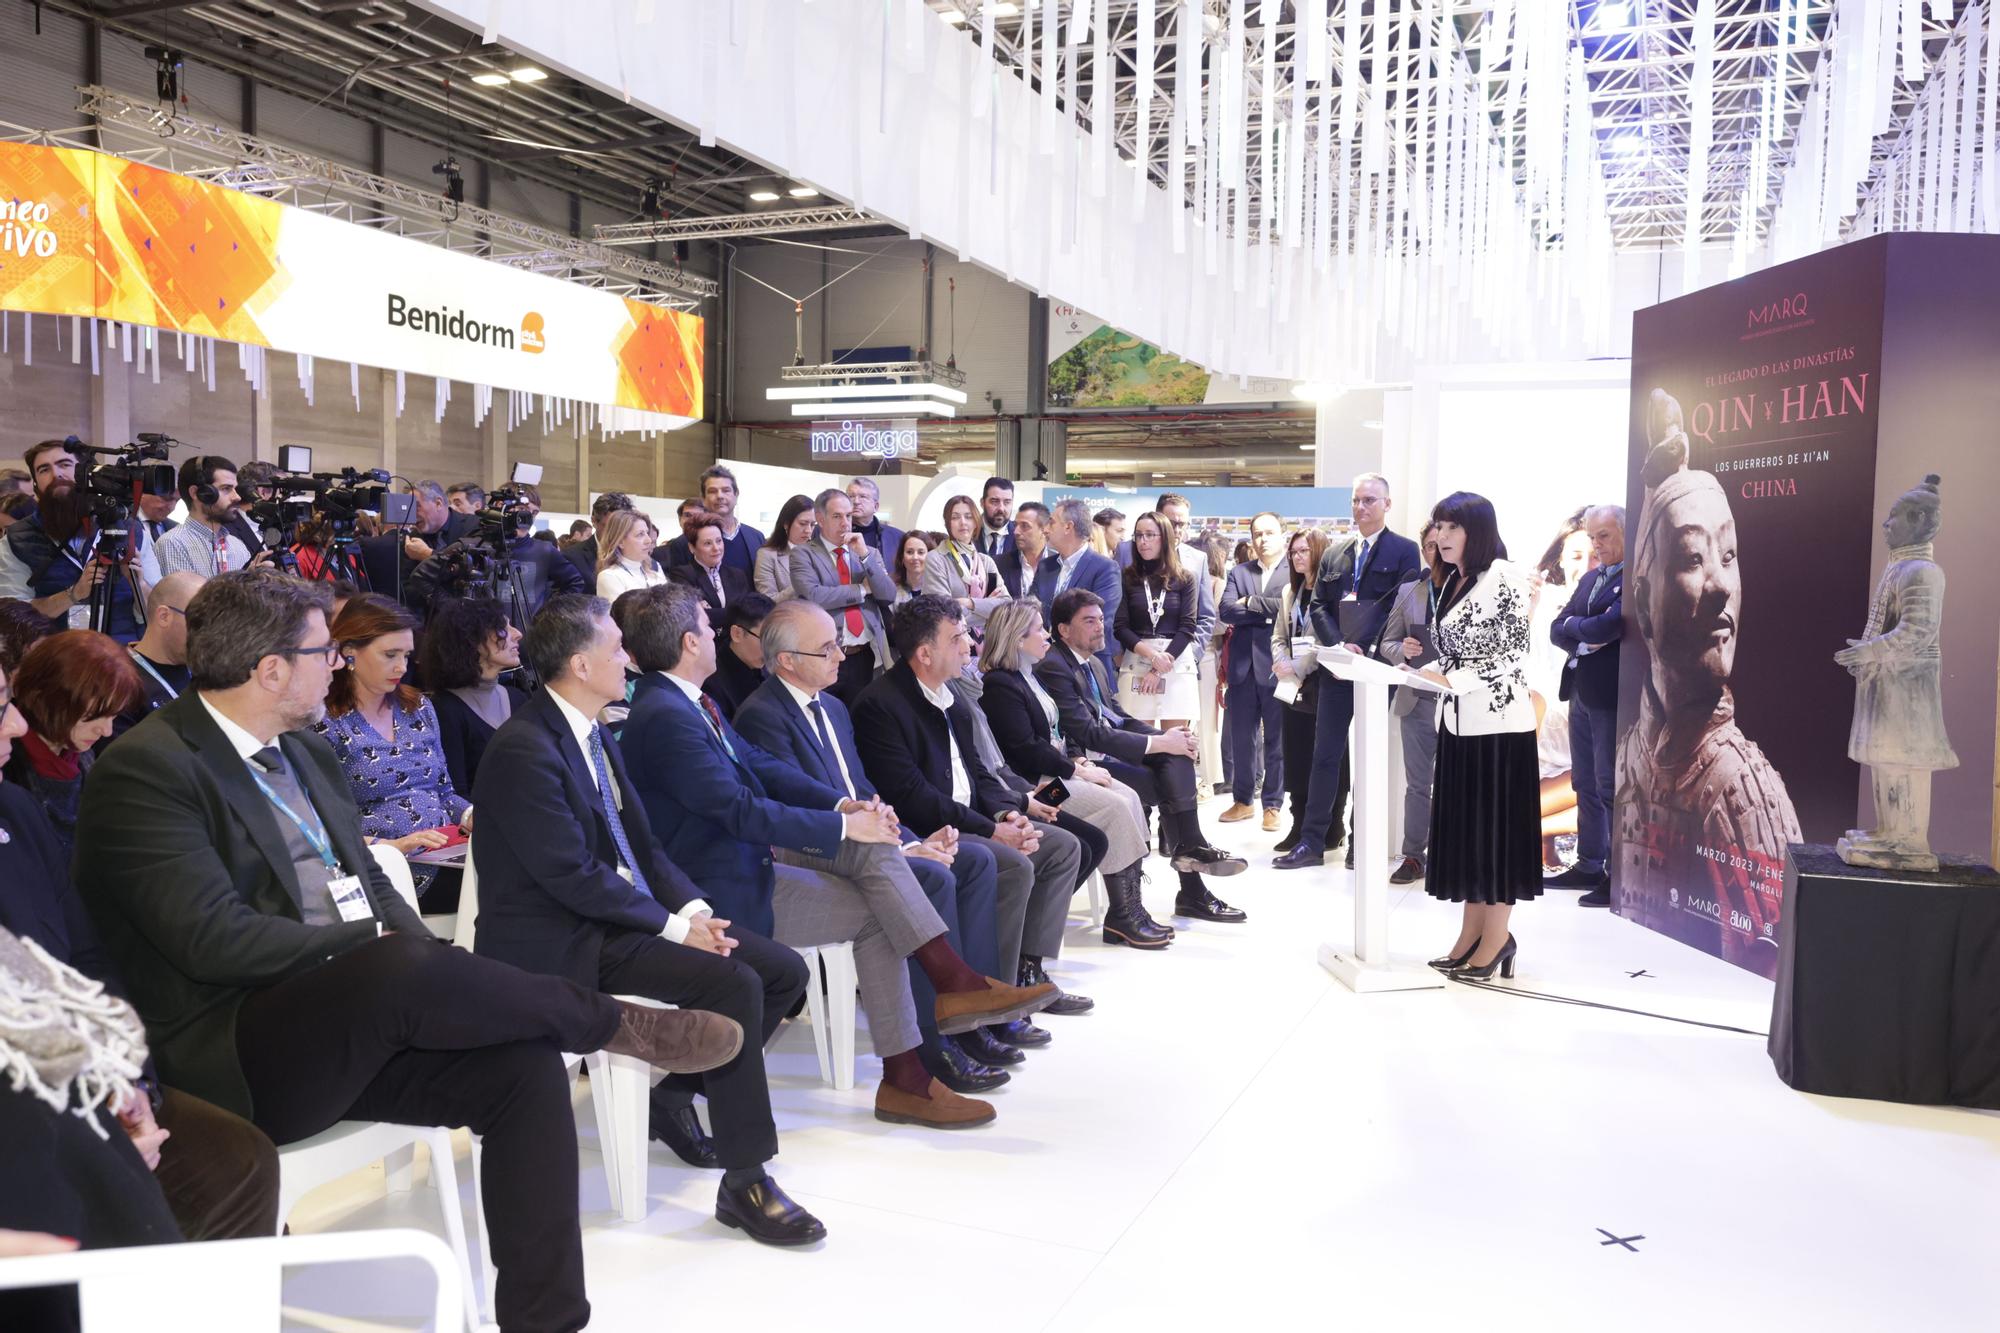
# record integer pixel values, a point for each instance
(854, 625)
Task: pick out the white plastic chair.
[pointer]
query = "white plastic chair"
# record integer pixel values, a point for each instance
(1099, 902)
(222, 1286)
(831, 1011)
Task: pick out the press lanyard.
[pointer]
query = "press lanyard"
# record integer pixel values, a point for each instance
(1156, 607)
(147, 667)
(318, 839)
(967, 561)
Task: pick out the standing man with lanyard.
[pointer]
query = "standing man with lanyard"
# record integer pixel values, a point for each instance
(1357, 582)
(161, 654)
(48, 559)
(204, 544)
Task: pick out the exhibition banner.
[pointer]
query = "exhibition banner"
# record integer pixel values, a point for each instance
(96, 236)
(1092, 364)
(1749, 530)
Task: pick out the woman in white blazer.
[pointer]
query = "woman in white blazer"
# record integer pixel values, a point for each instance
(625, 554)
(956, 570)
(1486, 820)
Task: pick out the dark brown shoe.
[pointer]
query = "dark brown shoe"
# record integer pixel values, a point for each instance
(961, 1011)
(679, 1041)
(943, 1109)
(1408, 871)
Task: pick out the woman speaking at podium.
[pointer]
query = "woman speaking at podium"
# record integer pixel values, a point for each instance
(1486, 845)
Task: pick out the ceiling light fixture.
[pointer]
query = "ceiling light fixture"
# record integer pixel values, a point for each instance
(952, 16)
(1005, 9)
(888, 407)
(1317, 393)
(491, 80)
(763, 196)
(529, 74)
(1611, 14)
(1631, 141)
(803, 192)
(927, 390)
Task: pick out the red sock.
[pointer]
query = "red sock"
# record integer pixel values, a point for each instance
(907, 1072)
(948, 972)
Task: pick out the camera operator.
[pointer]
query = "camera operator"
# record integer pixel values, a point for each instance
(208, 543)
(47, 558)
(465, 497)
(315, 556)
(256, 483)
(471, 565)
(393, 557)
(161, 655)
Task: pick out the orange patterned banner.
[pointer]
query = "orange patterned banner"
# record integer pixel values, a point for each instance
(86, 234)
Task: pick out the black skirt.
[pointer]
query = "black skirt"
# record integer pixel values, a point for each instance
(1486, 819)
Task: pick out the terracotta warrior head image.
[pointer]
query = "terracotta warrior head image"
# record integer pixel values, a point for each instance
(1703, 816)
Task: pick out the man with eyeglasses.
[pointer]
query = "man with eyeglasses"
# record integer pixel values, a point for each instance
(739, 652)
(280, 975)
(161, 653)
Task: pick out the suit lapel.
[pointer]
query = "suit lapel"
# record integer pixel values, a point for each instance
(572, 753)
(249, 804)
(801, 720)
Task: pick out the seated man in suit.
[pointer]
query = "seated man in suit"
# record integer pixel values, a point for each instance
(793, 717)
(846, 577)
(282, 978)
(916, 741)
(739, 652)
(572, 882)
(1158, 765)
(1357, 585)
(722, 805)
(720, 586)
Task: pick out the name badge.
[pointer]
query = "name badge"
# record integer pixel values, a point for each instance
(349, 898)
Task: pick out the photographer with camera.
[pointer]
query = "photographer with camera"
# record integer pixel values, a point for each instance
(392, 558)
(52, 560)
(207, 544)
(497, 559)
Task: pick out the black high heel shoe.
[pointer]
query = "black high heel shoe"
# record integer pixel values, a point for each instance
(1503, 961)
(1450, 964)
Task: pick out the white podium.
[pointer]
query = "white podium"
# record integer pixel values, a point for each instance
(1366, 965)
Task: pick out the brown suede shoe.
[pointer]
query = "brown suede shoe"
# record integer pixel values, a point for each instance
(1270, 820)
(1236, 813)
(679, 1041)
(943, 1109)
(962, 1011)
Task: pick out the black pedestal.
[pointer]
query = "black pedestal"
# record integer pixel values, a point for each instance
(1889, 981)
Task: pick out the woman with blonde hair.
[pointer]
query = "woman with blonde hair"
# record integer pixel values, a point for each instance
(625, 554)
(959, 571)
(1023, 719)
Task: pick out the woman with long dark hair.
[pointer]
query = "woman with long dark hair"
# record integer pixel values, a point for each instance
(1155, 624)
(1486, 845)
(772, 573)
(907, 568)
(1293, 628)
(468, 646)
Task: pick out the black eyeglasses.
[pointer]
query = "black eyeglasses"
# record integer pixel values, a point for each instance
(329, 651)
(831, 650)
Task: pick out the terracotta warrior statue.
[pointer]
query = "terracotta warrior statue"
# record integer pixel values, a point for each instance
(1703, 817)
(1898, 701)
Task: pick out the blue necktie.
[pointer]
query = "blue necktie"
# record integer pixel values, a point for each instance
(610, 804)
(1096, 690)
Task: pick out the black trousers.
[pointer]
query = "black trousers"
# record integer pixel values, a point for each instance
(410, 1030)
(1328, 791)
(1298, 729)
(1253, 712)
(856, 671)
(1166, 781)
(757, 985)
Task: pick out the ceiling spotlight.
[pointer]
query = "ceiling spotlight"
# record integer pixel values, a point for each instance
(1308, 448)
(1611, 14)
(953, 16)
(529, 74)
(1631, 141)
(454, 179)
(763, 196)
(1005, 9)
(492, 79)
(803, 192)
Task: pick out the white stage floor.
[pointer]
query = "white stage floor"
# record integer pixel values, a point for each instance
(1232, 1139)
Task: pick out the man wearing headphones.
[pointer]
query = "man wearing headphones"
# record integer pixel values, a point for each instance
(205, 544)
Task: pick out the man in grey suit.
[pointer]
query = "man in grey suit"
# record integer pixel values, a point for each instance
(850, 581)
(1406, 640)
(1250, 602)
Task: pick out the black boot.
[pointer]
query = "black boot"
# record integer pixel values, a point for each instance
(1031, 975)
(1194, 900)
(1126, 922)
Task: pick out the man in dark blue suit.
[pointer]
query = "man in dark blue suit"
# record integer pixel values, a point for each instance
(996, 518)
(1251, 601)
(792, 715)
(1025, 552)
(1589, 628)
(573, 882)
(1075, 565)
(1356, 585)
(723, 804)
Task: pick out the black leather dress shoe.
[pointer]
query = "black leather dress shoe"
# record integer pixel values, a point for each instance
(1020, 1032)
(1576, 877)
(981, 1046)
(680, 1129)
(946, 1061)
(1299, 858)
(1408, 870)
(1031, 973)
(1202, 859)
(763, 1210)
(1205, 906)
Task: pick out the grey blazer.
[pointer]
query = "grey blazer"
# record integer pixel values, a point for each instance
(1410, 611)
(772, 574)
(814, 577)
(943, 576)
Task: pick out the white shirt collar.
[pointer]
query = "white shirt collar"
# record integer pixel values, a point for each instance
(693, 692)
(245, 744)
(1079, 658)
(578, 723)
(942, 696)
(799, 696)
(831, 549)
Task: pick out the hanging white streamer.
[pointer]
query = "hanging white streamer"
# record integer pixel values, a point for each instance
(1701, 137)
